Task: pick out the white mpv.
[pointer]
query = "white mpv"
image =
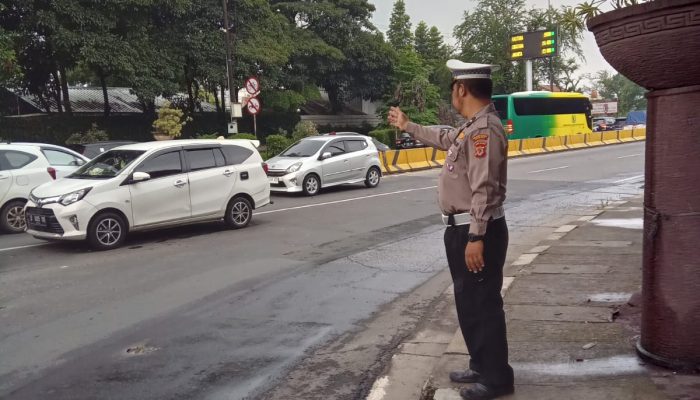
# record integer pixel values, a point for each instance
(151, 185)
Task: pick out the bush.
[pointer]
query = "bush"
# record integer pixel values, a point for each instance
(92, 135)
(385, 135)
(170, 121)
(248, 136)
(208, 136)
(277, 144)
(304, 129)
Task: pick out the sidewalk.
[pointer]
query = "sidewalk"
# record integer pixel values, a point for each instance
(572, 306)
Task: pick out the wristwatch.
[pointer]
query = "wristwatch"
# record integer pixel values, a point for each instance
(475, 238)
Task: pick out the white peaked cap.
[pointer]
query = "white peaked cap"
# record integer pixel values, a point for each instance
(462, 70)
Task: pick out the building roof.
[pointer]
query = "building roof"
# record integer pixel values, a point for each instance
(90, 100)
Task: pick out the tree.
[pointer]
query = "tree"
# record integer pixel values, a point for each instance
(169, 122)
(338, 48)
(483, 36)
(8, 58)
(421, 41)
(399, 33)
(413, 91)
(628, 94)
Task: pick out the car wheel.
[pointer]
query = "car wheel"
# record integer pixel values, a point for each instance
(107, 231)
(374, 175)
(239, 213)
(311, 185)
(12, 217)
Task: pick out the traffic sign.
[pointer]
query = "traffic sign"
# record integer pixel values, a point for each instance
(529, 45)
(254, 106)
(252, 85)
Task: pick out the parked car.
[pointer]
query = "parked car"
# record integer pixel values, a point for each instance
(601, 124)
(23, 166)
(406, 141)
(151, 185)
(323, 161)
(92, 150)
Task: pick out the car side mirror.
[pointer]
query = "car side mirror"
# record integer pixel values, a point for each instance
(326, 155)
(140, 177)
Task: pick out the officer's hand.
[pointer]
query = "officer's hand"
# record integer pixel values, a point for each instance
(474, 256)
(397, 118)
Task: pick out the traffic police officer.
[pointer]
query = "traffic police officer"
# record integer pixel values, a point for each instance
(471, 191)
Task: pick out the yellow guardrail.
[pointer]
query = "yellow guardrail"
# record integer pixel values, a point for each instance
(394, 161)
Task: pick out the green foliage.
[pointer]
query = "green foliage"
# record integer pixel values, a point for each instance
(304, 129)
(399, 33)
(92, 135)
(414, 92)
(484, 32)
(208, 136)
(384, 135)
(629, 95)
(247, 136)
(170, 121)
(277, 144)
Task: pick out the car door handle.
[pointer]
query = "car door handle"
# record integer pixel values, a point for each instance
(228, 172)
(180, 183)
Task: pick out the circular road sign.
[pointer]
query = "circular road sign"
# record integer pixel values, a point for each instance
(253, 106)
(252, 85)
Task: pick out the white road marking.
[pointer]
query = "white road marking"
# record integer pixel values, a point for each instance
(345, 200)
(629, 179)
(23, 247)
(631, 155)
(548, 169)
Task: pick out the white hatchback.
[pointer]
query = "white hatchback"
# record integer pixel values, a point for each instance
(24, 166)
(151, 185)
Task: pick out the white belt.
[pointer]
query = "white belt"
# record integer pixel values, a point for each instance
(466, 218)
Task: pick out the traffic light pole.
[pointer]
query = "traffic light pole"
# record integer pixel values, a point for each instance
(528, 75)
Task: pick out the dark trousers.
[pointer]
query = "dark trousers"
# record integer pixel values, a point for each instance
(479, 301)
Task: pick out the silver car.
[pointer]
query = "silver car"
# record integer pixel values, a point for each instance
(322, 161)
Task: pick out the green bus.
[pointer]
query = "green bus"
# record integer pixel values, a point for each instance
(542, 114)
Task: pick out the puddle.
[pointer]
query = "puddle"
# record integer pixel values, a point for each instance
(627, 223)
(612, 366)
(610, 297)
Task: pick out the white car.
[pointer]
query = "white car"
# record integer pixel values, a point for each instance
(323, 161)
(24, 166)
(151, 185)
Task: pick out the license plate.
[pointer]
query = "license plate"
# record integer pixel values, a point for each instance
(37, 219)
(275, 180)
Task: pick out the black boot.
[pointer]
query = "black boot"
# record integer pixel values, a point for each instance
(467, 376)
(482, 392)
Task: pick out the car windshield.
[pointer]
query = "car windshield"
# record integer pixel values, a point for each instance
(303, 148)
(107, 165)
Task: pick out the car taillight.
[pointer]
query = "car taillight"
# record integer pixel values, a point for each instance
(509, 127)
(51, 172)
(265, 167)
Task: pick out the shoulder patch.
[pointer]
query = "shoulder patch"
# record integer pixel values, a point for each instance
(480, 141)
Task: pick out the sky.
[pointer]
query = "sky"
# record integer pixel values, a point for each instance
(446, 14)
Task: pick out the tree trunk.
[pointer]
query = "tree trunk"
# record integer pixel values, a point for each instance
(198, 103)
(64, 89)
(105, 93)
(216, 98)
(190, 97)
(56, 91)
(334, 99)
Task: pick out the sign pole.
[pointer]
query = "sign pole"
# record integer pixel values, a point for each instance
(528, 75)
(255, 125)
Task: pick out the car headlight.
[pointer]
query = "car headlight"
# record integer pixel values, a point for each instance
(72, 197)
(294, 167)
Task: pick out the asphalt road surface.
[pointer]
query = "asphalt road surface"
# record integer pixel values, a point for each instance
(202, 312)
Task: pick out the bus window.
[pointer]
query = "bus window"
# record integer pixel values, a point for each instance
(551, 106)
(501, 104)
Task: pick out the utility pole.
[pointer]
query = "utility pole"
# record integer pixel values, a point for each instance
(528, 75)
(233, 96)
(551, 59)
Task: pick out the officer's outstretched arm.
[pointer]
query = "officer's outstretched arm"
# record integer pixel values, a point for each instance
(482, 153)
(433, 137)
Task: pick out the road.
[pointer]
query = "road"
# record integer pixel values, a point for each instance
(204, 312)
